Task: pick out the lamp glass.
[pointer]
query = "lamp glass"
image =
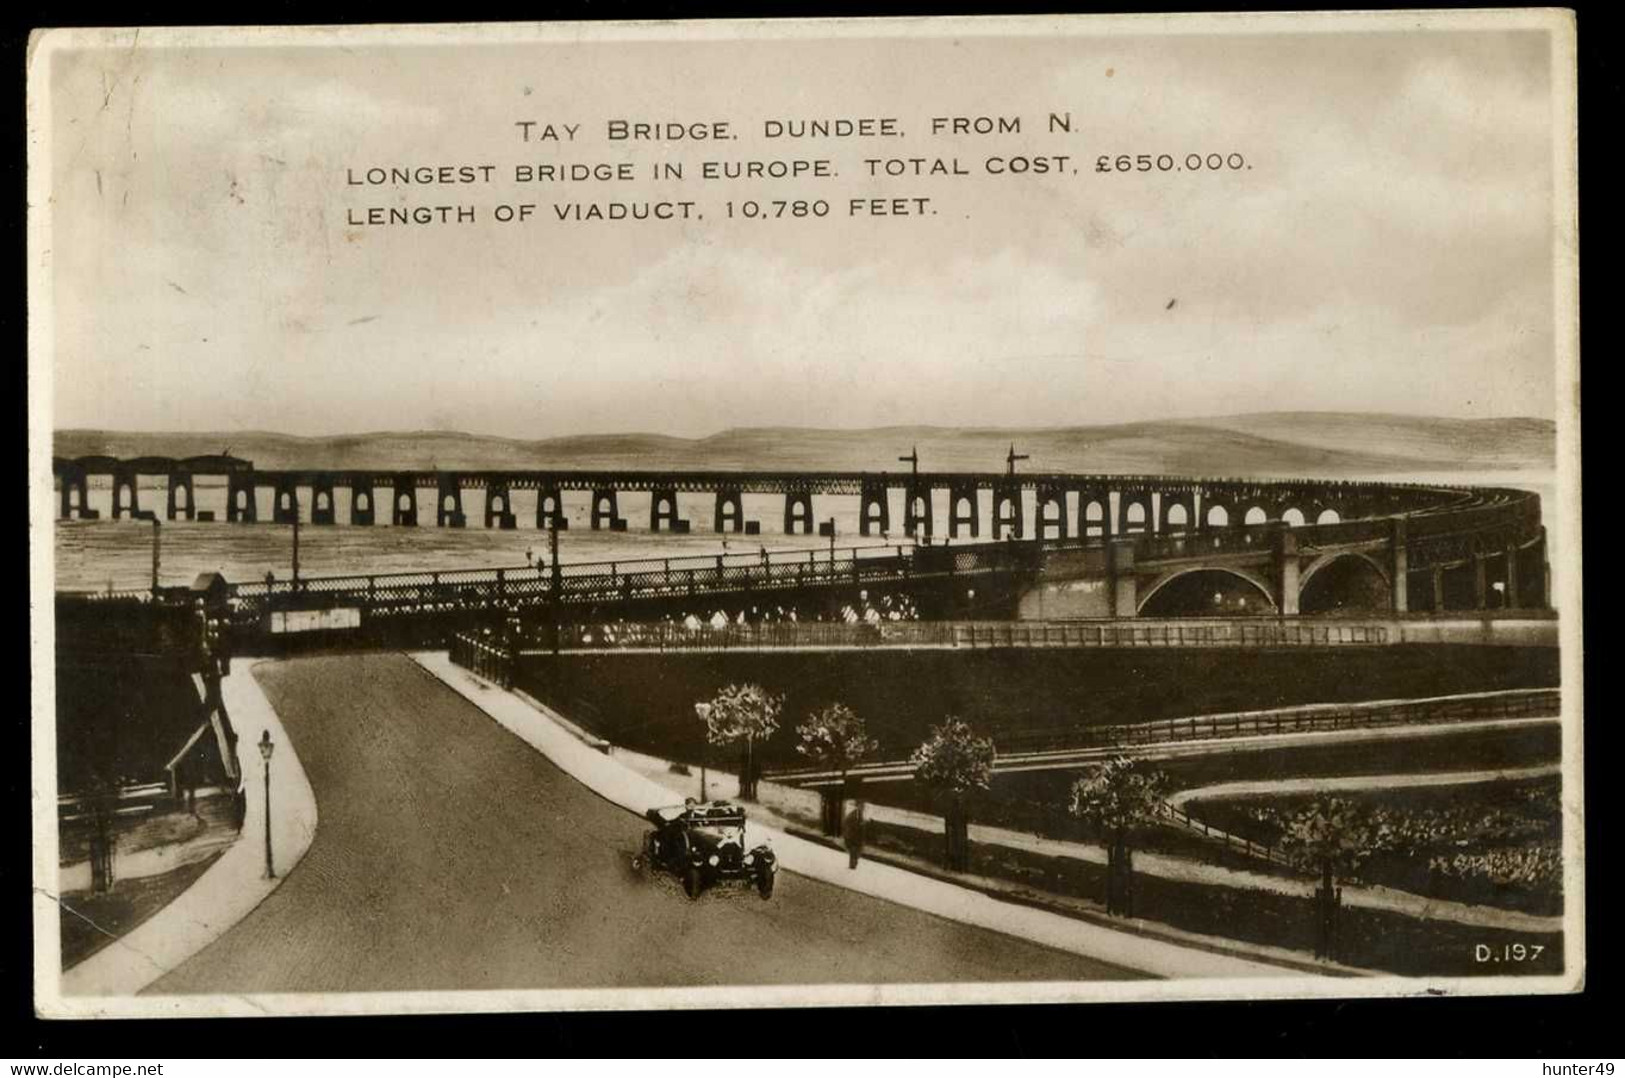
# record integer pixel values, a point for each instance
(266, 746)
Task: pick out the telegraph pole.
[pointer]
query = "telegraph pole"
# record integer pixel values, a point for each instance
(1010, 460)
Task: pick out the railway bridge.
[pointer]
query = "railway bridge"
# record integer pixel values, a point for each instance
(1484, 553)
(950, 505)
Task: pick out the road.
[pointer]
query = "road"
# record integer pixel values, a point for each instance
(451, 855)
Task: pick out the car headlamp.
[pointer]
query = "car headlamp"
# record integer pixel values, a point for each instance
(714, 860)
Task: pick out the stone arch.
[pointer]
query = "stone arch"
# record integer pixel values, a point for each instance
(1255, 517)
(1293, 517)
(1346, 581)
(1007, 513)
(917, 512)
(1218, 516)
(969, 499)
(1094, 518)
(1135, 517)
(1051, 510)
(1178, 518)
(1328, 516)
(1177, 602)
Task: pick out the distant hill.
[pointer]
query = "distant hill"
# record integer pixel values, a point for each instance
(1265, 444)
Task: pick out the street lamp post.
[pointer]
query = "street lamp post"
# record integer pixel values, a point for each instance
(156, 525)
(704, 713)
(266, 748)
(295, 546)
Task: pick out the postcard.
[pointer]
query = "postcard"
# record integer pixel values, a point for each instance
(804, 512)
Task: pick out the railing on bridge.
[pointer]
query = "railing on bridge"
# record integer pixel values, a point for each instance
(970, 635)
(585, 583)
(487, 659)
(1307, 718)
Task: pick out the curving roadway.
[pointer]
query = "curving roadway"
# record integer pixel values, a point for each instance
(451, 855)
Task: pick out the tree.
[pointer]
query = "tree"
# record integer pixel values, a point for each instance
(1117, 797)
(742, 714)
(1330, 837)
(834, 737)
(955, 762)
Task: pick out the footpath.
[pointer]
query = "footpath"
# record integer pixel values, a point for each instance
(798, 808)
(227, 892)
(630, 781)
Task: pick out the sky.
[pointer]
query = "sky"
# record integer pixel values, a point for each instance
(1387, 246)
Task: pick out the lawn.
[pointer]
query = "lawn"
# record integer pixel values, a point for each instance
(646, 702)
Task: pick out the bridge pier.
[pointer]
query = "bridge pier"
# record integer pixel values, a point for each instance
(1007, 511)
(1438, 588)
(363, 502)
(285, 503)
(1399, 569)
(1481, 588)
(323, 509)
(448, 501)
(1120, 571)
(663, 509)
(1051, 512)
(605, 511)
(972, 515)
(1537, 576)
(873, 509)
(241, 506)
(1511, 557)
(403, 498)
(917, 511)
(76, 497)
(730, 512)
(1287, 566)
(798, 513)
(499, 506)
(124, 483)
(550, 509)
(179, 483)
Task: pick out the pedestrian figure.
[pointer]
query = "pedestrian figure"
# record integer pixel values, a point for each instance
(852, 833)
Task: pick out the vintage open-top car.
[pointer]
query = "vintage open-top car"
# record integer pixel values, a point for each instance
(703, 843)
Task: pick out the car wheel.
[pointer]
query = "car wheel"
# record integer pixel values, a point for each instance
(691, 882)
(764, 882)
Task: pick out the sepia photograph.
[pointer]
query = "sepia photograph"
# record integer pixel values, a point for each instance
(809, 512)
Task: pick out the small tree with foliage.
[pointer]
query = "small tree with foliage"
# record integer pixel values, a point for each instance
(1330, 837)
(1116, 798)
(834, 737)
(954, 762)
(743, 715)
